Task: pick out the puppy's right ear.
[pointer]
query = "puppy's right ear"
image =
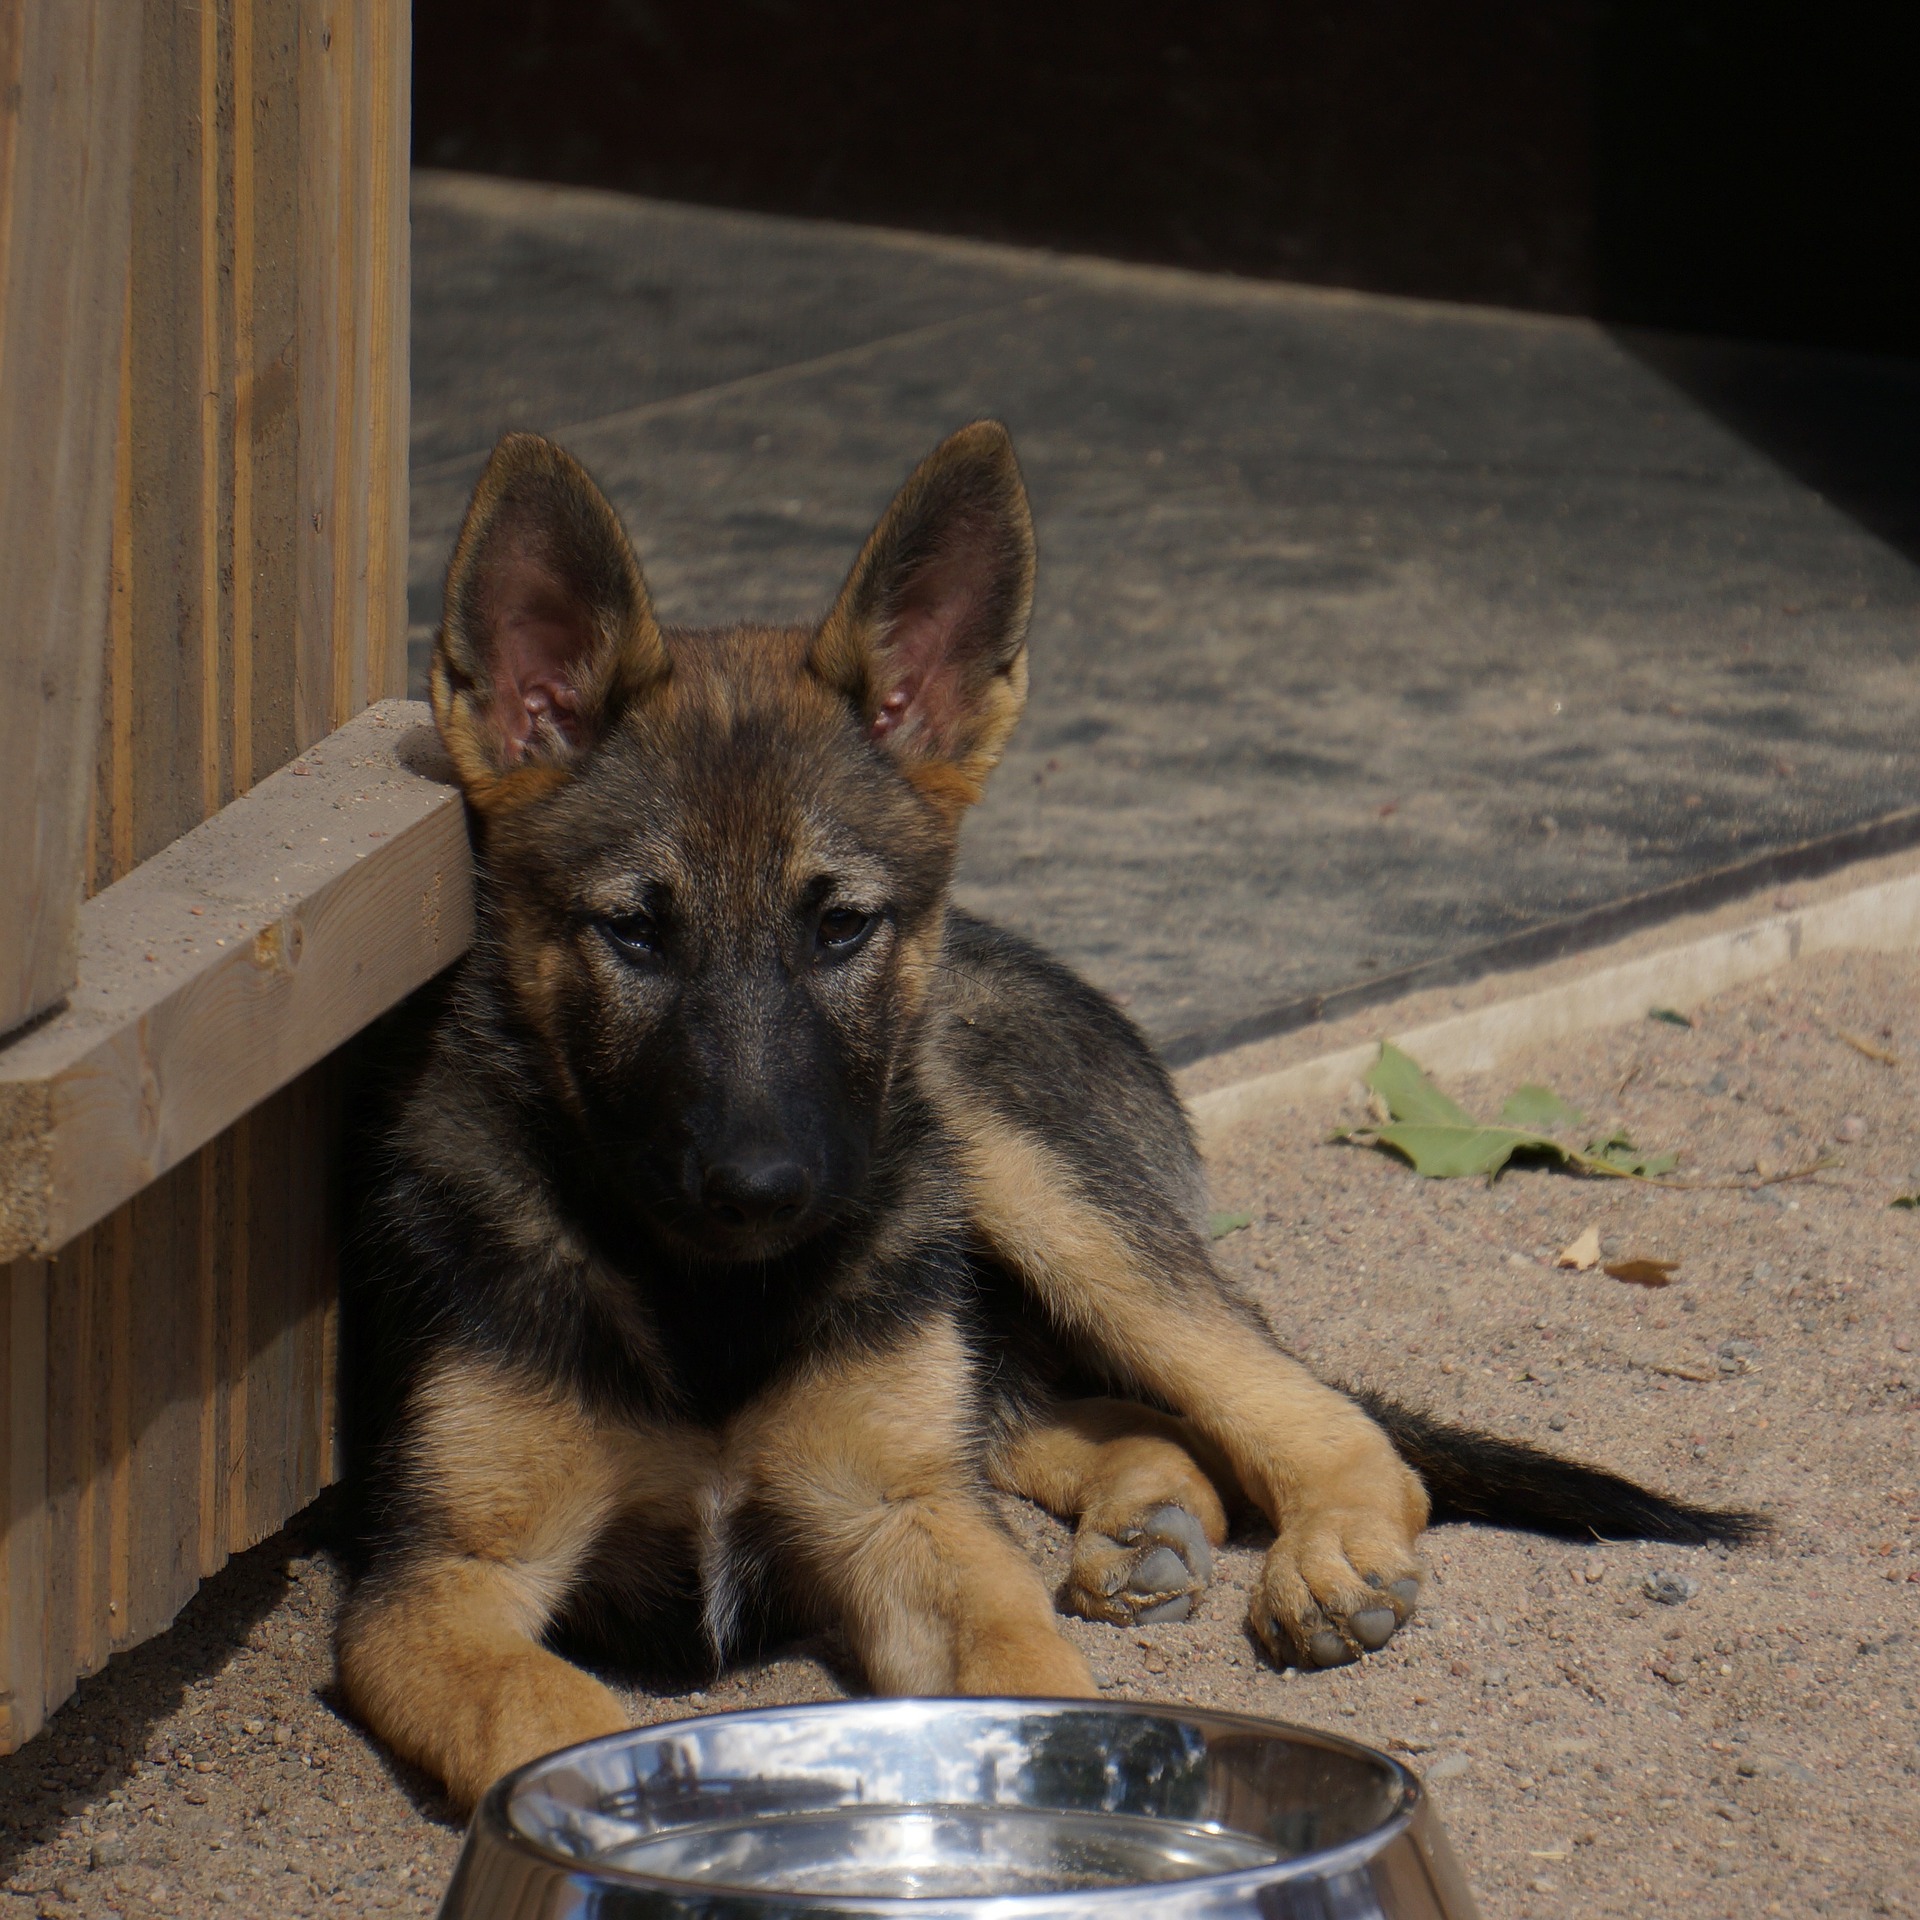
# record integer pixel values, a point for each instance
(548, 632)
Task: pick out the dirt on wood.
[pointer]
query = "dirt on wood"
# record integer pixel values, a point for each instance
(1608, 1729)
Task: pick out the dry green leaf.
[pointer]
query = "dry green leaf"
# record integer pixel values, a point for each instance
(1615, 1151)
(1442, 1141)
(1451, 1153)
(1541, 1110)
(1219, 1225)
(1409, 1092)
(1672, 1016)
(1642, 1272)
(1435, 1134)
(1905, 1200)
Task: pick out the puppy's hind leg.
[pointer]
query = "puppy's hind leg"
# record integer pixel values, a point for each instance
(1144, 1493)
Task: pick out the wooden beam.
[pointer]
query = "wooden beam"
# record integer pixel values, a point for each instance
(223, 967)
(68, 74)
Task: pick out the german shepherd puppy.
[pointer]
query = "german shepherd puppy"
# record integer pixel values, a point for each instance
(751, 1211)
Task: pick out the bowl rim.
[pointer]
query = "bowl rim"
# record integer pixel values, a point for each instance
(493, 1811)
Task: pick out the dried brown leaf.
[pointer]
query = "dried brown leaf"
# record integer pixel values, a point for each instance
(1684, 1369)
(1871, 1048)
(1643, 1272)
(1582, 1252)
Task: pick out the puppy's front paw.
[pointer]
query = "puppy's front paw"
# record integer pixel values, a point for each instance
(1335, 1586)
(1139, 1571)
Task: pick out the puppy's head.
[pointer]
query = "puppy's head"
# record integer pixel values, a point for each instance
(715, 862)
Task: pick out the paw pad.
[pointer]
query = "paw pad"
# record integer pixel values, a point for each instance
(1141, 1573)
(1373, 1627)
(1327, 1649)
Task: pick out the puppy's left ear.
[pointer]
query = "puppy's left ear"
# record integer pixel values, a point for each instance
(928, 637)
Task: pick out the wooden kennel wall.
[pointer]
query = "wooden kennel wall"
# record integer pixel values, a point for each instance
(203, 411)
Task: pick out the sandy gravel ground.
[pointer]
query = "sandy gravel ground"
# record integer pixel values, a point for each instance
(1750, 1749)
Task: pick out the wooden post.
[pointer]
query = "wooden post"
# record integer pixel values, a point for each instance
(166, 1375)
(68, 70)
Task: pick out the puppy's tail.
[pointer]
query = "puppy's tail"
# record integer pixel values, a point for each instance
(1477, 1476)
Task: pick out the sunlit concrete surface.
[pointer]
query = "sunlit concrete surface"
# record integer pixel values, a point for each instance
(1369, 631)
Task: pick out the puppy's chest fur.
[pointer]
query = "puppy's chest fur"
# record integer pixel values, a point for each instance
(495, 1225)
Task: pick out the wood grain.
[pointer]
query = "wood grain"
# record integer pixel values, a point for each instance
(68, 70)
(23, 1486)
(259, 531)
(169, 1369)
(124, 1483)
(221, 968)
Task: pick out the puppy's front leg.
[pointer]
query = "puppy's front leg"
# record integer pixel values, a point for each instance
(502, 1491)
(863, 1470)
(1143, 1295)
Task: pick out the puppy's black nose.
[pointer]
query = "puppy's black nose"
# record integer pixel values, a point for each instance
(755, 1190)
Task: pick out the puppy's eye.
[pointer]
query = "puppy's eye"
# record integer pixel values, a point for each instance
(841, 929)
(633, 936)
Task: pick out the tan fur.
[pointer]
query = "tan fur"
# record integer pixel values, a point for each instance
(1109, 1466)
(1346, 1509)
(440, 1654)
(868, 1461)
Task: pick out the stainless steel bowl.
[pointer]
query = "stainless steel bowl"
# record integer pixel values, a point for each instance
(984, 1809)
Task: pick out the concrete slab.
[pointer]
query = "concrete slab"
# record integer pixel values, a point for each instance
(1370, 632)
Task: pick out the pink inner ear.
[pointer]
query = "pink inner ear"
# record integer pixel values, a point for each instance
(927, 689)
(541, 645)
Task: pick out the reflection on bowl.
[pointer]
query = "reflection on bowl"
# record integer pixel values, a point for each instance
(1018, 1809)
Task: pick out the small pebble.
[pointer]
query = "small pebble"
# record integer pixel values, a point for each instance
(1557, 1421)
(1450, 1766)
(1670, 1589)
(110, 1850)
(1851, 1128)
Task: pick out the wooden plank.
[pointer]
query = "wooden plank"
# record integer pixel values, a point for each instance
(217, 971)
(324, 352)
(354, 95)
(23, 1499)
(164, 1405)
(68, 71)
(112, 824)
(122, 1486)
(213, 238)
(178, 1381)
(260, 466)
(174, 624)
(387, 51)
(69, 1467)
(289, 1379)
(93, 1623)
(272, 418)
